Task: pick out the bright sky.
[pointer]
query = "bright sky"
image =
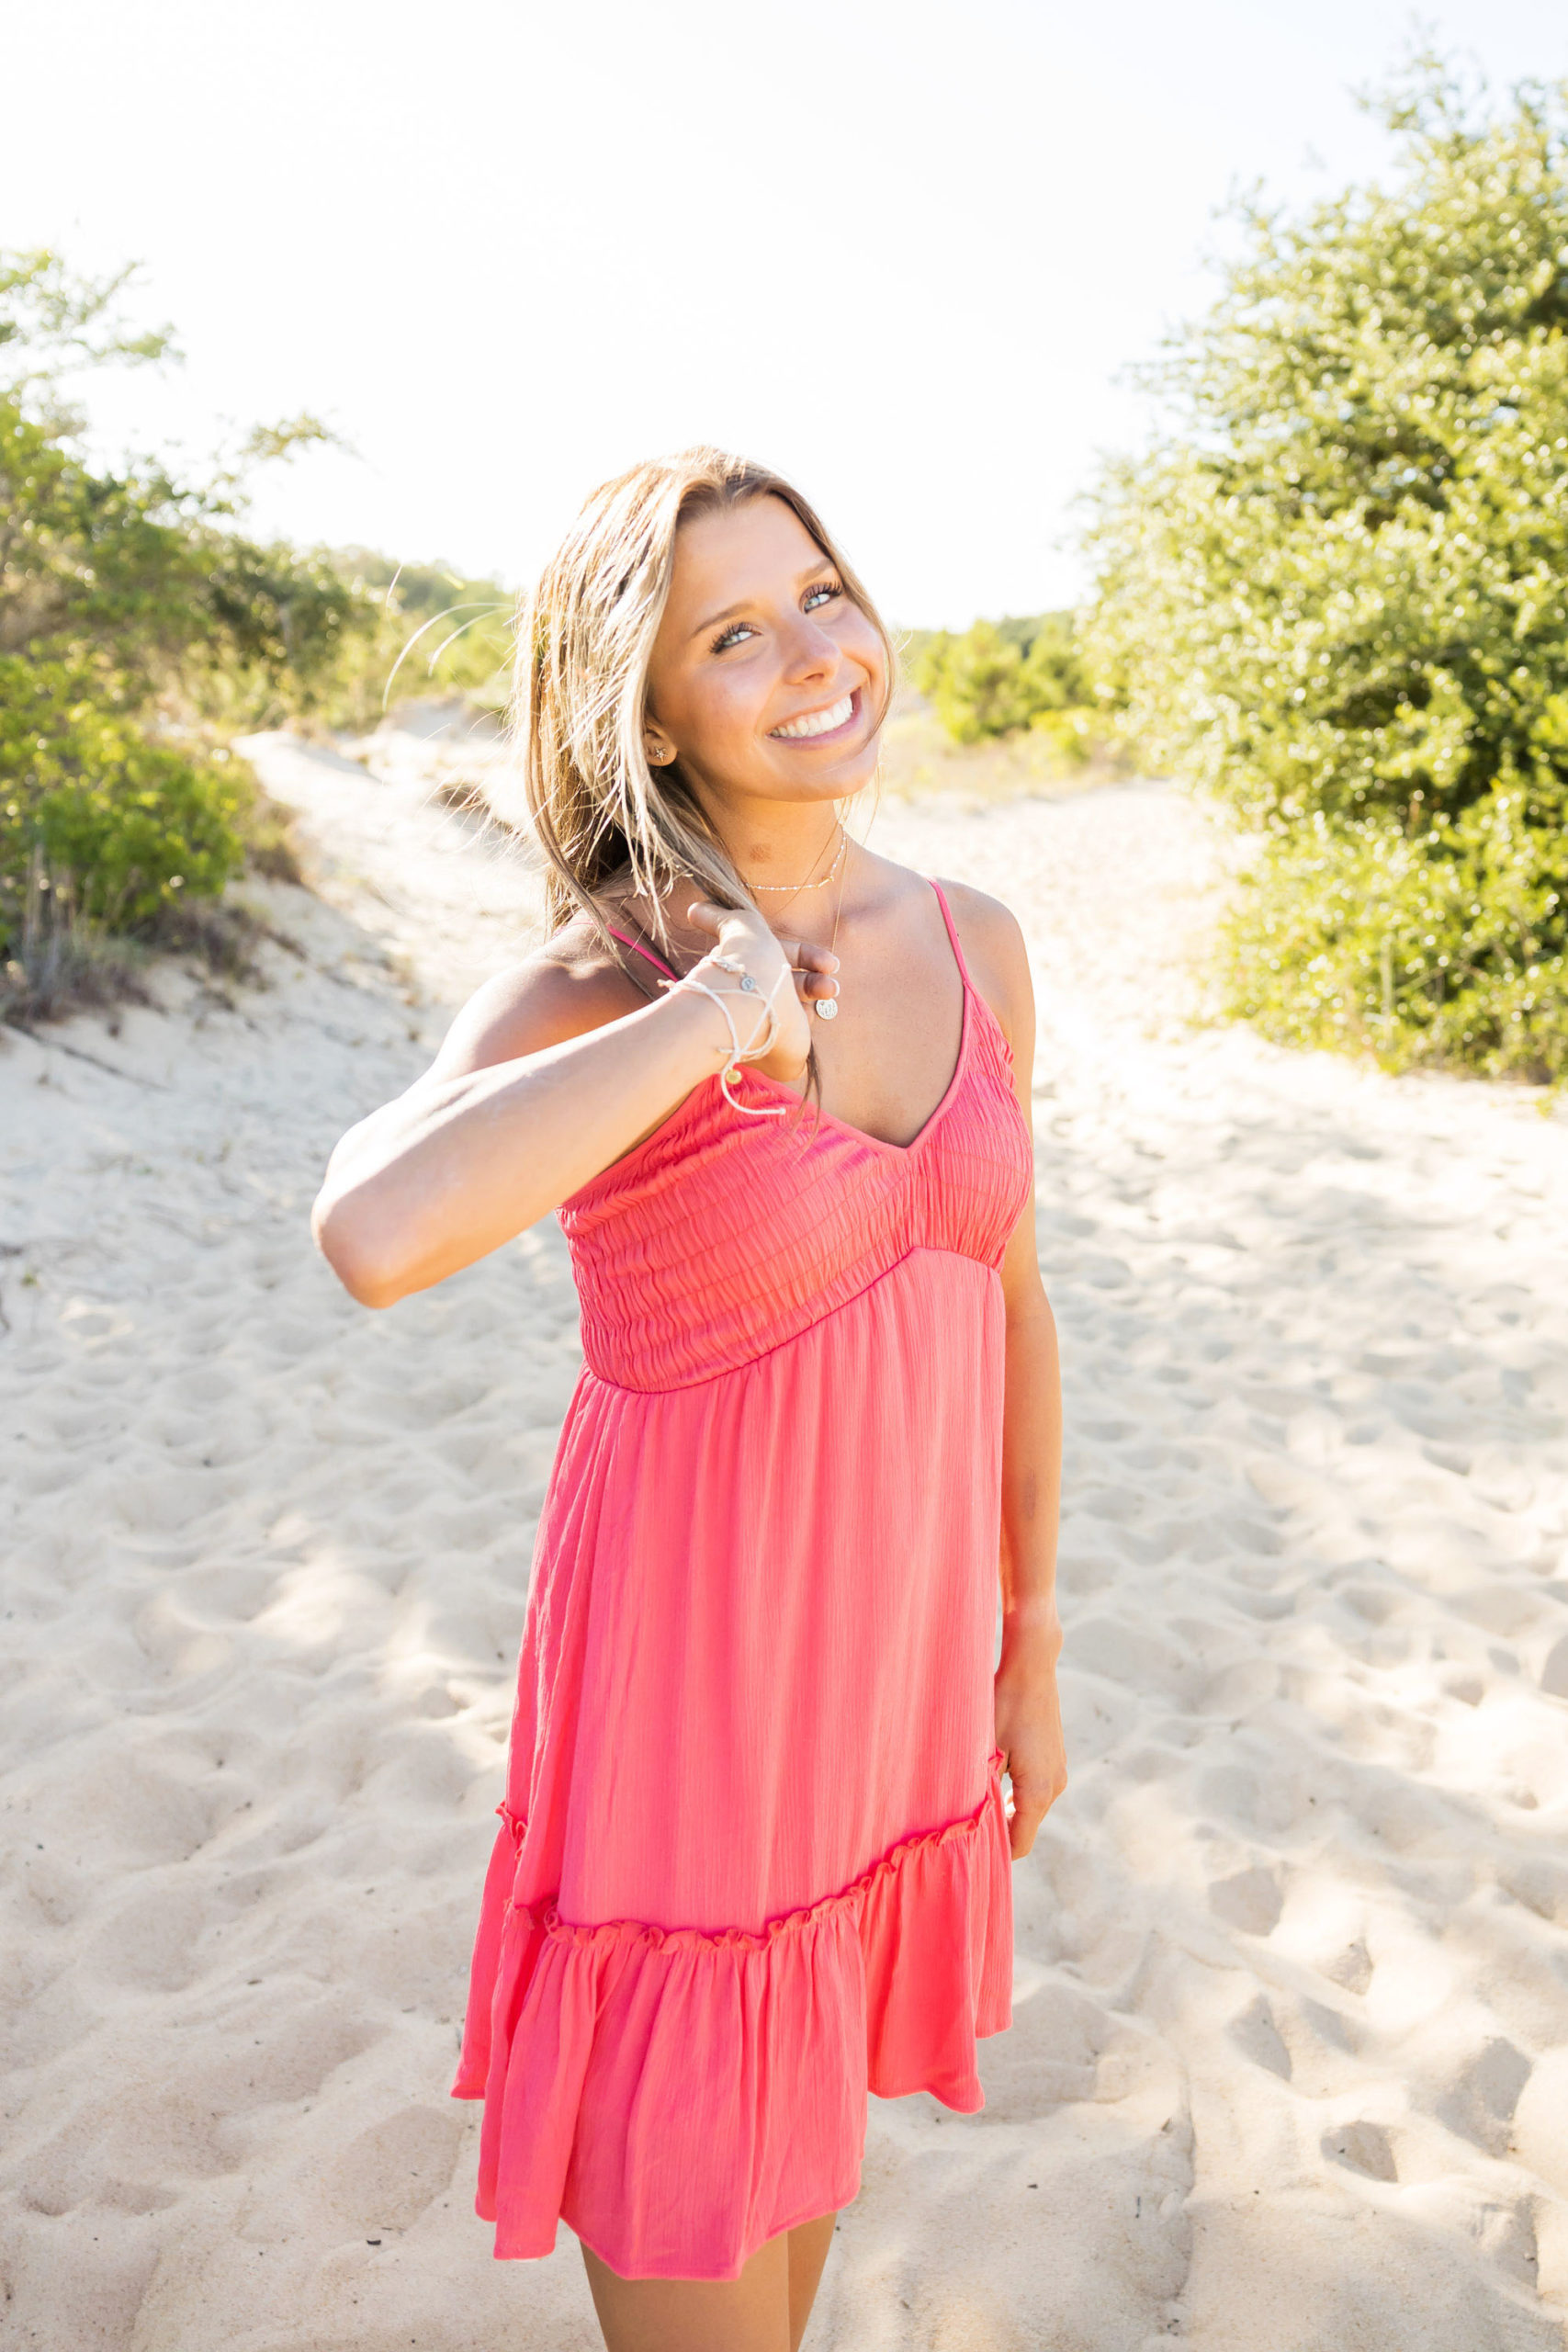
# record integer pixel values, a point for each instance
(900, 252)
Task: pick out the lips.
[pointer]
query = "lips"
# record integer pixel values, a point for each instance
(816, 722)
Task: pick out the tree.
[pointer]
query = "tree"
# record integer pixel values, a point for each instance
(132, 609)
(140, 623)
(142, 583)
(1333, 590)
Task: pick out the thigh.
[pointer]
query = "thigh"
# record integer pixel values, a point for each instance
(809, 2246)
(750, 2313)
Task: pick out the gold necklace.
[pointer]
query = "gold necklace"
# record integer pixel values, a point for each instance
(822, 880)
(826, 1008)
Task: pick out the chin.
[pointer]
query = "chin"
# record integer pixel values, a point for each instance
(860, 769)
(846, 776)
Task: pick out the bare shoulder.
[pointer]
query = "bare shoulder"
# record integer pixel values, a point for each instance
(570, 986)
(998, 959)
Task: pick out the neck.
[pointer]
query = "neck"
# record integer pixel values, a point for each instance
(778, 844)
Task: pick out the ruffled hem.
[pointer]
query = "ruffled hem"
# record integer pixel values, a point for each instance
(679, 2096)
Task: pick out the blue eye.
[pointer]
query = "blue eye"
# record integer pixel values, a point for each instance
(824, 593)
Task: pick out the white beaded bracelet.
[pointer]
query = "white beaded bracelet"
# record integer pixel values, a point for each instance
(739, 1054)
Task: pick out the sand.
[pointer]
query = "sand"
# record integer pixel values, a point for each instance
(1289, 2069)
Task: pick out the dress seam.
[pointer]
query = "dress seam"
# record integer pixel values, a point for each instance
(728, 1371)
(546, 1918)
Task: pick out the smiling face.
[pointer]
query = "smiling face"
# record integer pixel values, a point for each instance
(767, 681)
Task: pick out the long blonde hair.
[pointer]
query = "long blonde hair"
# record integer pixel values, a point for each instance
(584, 640)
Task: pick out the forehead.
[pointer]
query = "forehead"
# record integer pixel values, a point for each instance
(736, 551)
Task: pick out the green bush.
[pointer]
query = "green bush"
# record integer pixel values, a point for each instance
(136, 618)
(1336, 592)
(999, 677)
(1450, 948)
(131, 824)
(435, 632)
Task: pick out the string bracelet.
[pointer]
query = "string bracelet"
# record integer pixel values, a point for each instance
(739, 1054)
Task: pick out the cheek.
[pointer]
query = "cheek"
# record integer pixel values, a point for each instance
(862, 644)
(725, 704)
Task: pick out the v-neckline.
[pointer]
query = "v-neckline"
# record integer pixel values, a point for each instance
(792, 1094)
(862, 1135)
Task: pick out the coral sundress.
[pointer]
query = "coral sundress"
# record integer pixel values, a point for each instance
(753, 1857)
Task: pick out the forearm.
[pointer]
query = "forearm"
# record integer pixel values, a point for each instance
(458, 1165)
(1031, 1498)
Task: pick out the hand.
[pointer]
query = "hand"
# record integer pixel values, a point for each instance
(1029, 1733)
(793, 969)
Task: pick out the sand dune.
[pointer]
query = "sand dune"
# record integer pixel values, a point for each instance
(1291, 2061)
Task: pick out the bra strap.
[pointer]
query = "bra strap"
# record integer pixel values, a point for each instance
(637, 947)
(952, 932)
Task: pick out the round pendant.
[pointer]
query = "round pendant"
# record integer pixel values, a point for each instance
(825, 1007)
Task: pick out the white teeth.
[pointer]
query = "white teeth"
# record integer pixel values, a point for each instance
(818, 722)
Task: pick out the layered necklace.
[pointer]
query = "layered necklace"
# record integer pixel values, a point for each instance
(819, 882)
(826, 1008)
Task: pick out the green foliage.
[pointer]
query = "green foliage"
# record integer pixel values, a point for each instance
(143, 583)
(1445, 948)
(132, 823)
(1335, 592)
(52, 318)
(433, 631)
(138, 623)
(999, 677)
(133, 614)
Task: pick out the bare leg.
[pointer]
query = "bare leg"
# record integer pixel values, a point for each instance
(750, 2313)
(765, 2310)
(808, 2247)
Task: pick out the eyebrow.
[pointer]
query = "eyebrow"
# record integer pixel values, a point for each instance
(823, 563)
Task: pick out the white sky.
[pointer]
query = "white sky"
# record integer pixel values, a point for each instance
(898, 251)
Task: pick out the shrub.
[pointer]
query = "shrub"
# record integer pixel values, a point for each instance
(1450, 948)
(1335, 592)
(132, 825)
(57, 961)
(999, 677)
(434, 631)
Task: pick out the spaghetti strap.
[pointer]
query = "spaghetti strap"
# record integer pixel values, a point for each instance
(652, 958)
(952, 932)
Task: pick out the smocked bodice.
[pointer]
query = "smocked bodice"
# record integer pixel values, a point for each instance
(720, 1236)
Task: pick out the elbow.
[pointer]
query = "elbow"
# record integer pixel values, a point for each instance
(356, 1254)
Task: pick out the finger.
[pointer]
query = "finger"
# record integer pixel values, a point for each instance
(818, 984)
(806, 958)
(1023, 1823)
(703, 915)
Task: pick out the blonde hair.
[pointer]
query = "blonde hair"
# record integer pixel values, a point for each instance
(584, 640)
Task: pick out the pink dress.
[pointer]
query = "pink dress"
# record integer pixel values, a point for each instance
(753, 1857)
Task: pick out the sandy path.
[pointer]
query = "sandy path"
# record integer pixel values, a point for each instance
(1291, 2063)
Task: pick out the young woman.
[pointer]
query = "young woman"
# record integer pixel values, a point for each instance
(753, 1855)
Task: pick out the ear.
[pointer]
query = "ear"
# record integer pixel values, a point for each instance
(660, 750)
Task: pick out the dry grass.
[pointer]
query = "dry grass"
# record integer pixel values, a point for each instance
(61, 961)
(270, 846)
(65, 963)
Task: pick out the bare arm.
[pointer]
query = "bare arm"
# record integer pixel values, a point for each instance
(1029, 1721)
(548, 1075)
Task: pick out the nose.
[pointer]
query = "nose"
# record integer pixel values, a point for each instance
(810, 652)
